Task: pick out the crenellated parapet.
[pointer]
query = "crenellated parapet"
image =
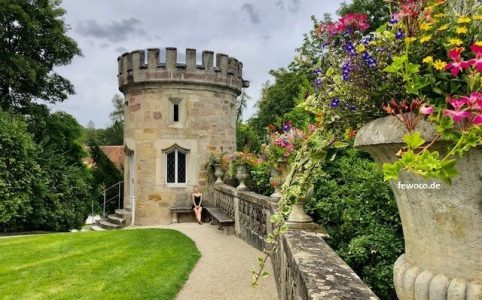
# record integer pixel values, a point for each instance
(141, 67)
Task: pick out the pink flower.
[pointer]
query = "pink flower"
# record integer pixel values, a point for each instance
(457, 116)
(426, 110)
(458, 64)
(456, 103)
(474, 100)
(355, 20)
(477, 120)
(477, 61)
(311, 127)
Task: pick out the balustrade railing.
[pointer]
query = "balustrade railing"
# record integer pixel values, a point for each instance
(304, 266)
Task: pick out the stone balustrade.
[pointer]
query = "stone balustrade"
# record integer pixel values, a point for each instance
(305, 267)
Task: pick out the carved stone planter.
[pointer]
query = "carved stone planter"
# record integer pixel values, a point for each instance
(442, 227)
(241, 175)
(218, 172)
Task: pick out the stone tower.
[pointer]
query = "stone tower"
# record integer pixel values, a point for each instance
(176, 115)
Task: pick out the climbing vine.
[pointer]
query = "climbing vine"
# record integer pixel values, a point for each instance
(306, 167)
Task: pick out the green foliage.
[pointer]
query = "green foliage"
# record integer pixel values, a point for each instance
(279, 98)
(155, 263)
(247, 139)
(18, 172)
(63, 194)
(358, 210)
(114, 133)
(258, 182)
(105, 175)
(43, 183)
(33, 41)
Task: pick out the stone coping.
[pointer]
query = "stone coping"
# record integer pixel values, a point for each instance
(319, 272)
(264, 201)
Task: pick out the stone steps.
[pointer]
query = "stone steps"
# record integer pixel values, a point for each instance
(105, 224)
(115, 219)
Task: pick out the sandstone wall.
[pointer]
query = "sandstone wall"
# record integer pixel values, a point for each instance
(206, 96)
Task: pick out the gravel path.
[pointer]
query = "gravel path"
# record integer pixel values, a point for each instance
(223, 272)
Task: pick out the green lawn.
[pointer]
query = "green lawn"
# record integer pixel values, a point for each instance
(122, 264)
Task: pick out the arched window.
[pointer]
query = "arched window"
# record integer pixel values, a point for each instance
(176, 164)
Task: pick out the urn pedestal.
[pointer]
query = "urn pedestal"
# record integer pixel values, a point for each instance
(276, 180)
(442, 224)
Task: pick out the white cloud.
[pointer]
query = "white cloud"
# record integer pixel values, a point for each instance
(222, 26)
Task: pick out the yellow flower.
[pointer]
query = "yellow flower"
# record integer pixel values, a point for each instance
(443, 27)
(410, 39)
(425, 26)
(478, 43)
(461, 30)
(360, 48)
(425, 39)
(428, 60)
(439, 15)
(439, 65)
(455, 41)
(478, 18)
(463, 20)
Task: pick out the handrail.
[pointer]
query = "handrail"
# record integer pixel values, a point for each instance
(106, 201)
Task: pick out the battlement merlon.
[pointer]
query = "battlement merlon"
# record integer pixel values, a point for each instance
(135, 68)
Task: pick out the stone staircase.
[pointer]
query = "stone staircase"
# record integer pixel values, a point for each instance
(120, 219)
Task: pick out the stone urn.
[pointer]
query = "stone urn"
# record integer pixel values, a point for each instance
(298, 216)
(442, 224)
(218, 172)
(276, 180)
(241, 175)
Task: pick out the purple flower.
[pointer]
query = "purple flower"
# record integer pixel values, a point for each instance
(350, 106)
(287, 126)
(346, 70)
(393, 21)
(366, 40)
(370, 60)
(317, 72)
(399, 35)
(335, 102)
(318, 81)
(350, 48)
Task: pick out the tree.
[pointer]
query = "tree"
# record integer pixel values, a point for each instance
(18, 172)
(241, 105)
(279, 98)
(64, 192)
(33, 41)
(117, 115)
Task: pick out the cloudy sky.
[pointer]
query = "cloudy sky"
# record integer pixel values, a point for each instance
(262, 34)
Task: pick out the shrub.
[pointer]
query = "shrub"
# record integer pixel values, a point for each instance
(18, 172)
(358, 210)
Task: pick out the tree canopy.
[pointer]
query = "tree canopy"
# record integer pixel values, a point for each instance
(33, 40)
